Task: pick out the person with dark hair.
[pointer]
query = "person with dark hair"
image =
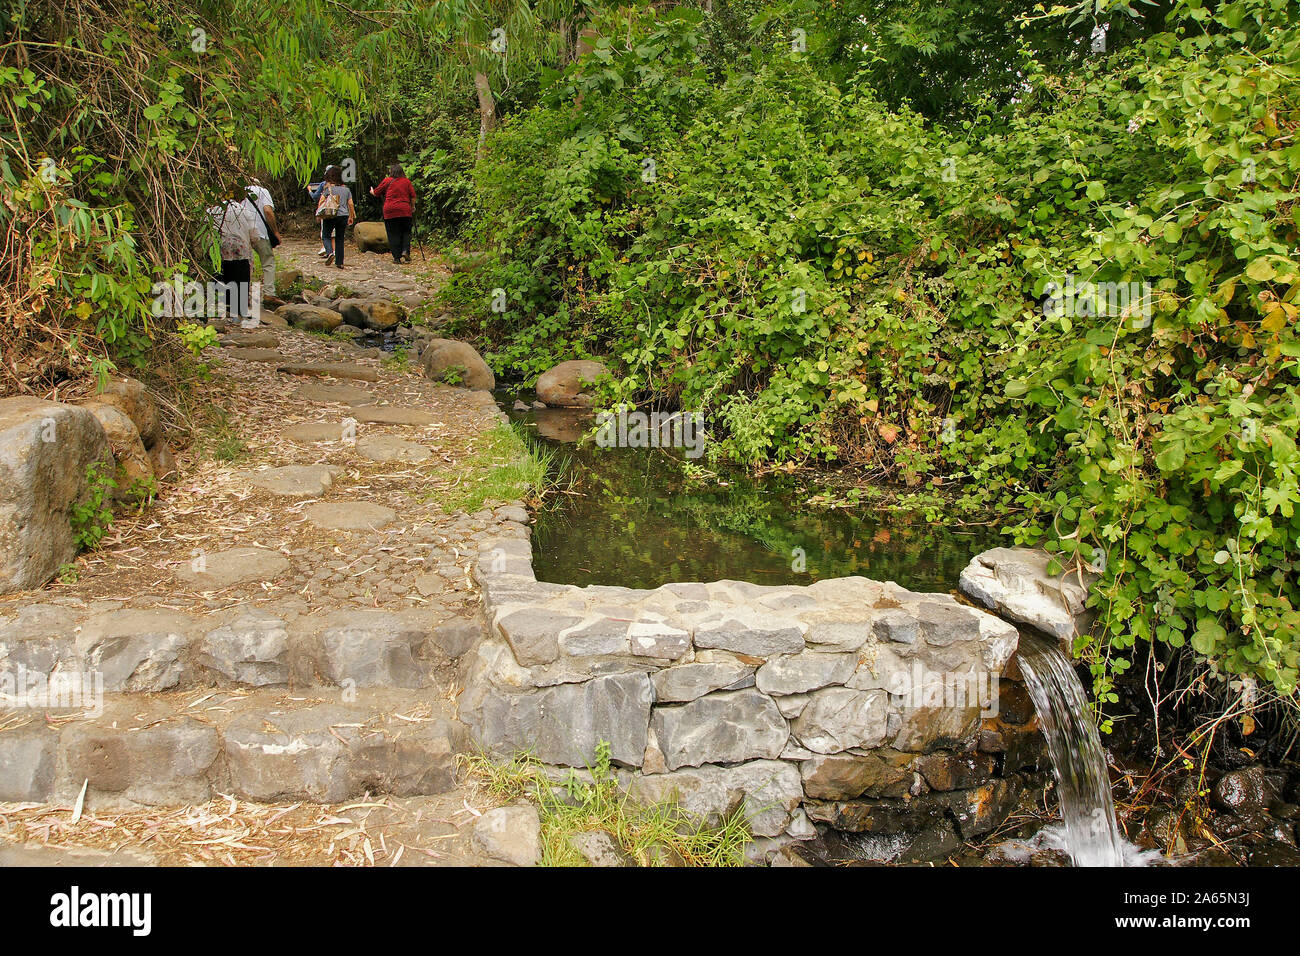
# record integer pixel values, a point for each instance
(399, 210)
(314, 190)
(336, 212)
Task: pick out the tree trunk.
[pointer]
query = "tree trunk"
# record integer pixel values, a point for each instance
(487, 110)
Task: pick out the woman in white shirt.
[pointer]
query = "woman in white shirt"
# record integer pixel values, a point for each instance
(235, 231)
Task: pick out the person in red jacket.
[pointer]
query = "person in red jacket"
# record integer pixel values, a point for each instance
(399, 209)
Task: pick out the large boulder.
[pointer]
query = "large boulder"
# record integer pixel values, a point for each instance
(379, 314)
(134, 400)
(1015, 583)
(567, 384)
(311, 318)
(134, 466)
(45, 449)
(456, 363)
(371, 237)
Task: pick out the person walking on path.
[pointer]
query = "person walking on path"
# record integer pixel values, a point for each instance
(337, 211)
(399, 210)
(314, 190)
(265, 236)
(234, 230)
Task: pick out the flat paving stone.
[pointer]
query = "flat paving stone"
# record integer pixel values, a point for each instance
(254, 355)
(251, 340)
(332, 369)
(315, 431)
(341, 394)
(349, 516)
(222, 569)
(390, 448)
(294, 480)
(394, 415)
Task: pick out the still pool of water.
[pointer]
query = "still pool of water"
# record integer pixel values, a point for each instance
(633, 518)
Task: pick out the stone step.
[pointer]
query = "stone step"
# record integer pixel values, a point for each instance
(48, 649)
(181, 749)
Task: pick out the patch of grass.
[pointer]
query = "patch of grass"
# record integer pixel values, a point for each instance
(657, 834)
(221, 439)
(399, 360)
(502, 467)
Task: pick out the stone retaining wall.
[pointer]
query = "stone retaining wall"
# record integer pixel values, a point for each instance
(849, 702)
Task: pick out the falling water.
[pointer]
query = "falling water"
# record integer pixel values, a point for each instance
(1091, 834)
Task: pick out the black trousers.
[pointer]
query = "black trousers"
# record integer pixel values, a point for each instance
(399, 236)
(235, 277)
(337, 227)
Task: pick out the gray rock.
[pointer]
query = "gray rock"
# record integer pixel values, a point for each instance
(897, 625)
(839, 631)
(600, 849)
(291, 755)
(838, 718)
(752, 633)
(136, 651)
(156, 764)
(942, 624)
(534, 633)
(341, 394)
(512, 513)
(390, 448)
(310, 432)
(455, 638)
(593, 637)
(686, 682)
(294, 481)
(393, 415)
(800, 673)
(39, 639)
(27, 761)
(564, 724)
(373, 649)
(417, 760)
(334, 369)
(510, 834)
(767, 791)
(349, 516)
(45, 450)
(1014, 582)
(653, 636)
(223, 569)
(723, 727)
(252, 649)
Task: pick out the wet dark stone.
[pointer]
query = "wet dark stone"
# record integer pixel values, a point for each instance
(1014, 704)
(1283, 811)
(1240, 791)
(1161, 825)
(1273, 854)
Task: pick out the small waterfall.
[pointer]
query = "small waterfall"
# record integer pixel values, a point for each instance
(1091, 834)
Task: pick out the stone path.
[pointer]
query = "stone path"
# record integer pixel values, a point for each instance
(368, 274)
(277, 633)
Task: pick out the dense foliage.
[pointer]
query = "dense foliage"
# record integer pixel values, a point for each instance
(123, 121)
(834, 278)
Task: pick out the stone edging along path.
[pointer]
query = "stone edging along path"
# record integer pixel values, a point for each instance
(848, 701)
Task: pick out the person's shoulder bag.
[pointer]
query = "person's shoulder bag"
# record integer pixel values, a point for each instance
(271, 236)
(328, 207)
